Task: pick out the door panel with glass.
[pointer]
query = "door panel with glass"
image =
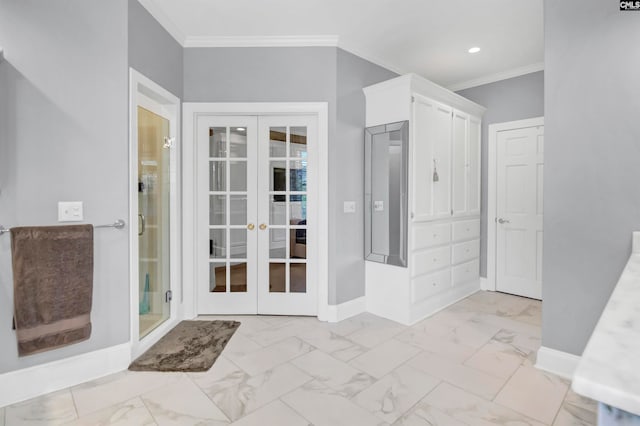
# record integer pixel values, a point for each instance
(284, 173)
(256, 172)
(228, 180)
(153, 220)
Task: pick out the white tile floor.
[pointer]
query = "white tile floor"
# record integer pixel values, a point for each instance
(471, 364)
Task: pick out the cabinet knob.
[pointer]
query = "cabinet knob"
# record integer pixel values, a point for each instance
(251, 227)
(262, 226)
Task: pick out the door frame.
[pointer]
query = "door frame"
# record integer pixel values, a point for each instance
(492, 189)
(146, 93)
(193, 110)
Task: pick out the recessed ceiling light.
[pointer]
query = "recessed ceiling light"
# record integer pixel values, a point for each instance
(474, 50)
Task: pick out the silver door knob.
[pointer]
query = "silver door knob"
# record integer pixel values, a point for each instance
(501, 221)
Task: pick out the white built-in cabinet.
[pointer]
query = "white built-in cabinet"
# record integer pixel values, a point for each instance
(444, 199)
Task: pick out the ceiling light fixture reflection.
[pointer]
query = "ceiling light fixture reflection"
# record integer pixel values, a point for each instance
(474, 50)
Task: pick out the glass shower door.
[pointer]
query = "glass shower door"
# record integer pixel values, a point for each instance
(153, 220)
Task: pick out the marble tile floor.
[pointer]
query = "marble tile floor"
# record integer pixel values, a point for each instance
(470, 364)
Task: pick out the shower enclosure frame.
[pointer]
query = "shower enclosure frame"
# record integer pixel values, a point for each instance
(144, 92)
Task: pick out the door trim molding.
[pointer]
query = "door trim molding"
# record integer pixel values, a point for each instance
(145, 92)
(492, 187)
(191, 111)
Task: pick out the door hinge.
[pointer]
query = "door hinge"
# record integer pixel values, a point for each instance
(168, 296)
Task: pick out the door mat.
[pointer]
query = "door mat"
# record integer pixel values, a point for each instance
(189, 346)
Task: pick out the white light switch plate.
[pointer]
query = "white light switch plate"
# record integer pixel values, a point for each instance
(378, 206)
(70, 211)
(349, 207)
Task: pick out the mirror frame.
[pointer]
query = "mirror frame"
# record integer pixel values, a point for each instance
(401, 258)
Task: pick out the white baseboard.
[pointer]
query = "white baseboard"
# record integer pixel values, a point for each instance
(346, 310)
(484, 284)
(560, 363)
(19, 385)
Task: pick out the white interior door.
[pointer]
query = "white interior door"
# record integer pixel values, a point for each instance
(519, 211)
(287, 215)
(257, 214)
(227, 241)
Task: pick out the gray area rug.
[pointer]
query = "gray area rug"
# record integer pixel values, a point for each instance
(190, 346)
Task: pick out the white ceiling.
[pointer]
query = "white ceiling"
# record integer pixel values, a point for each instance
(428, 37)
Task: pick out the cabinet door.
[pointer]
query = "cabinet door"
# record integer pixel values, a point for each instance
(473, 166)
(459, 162)
(431, 160)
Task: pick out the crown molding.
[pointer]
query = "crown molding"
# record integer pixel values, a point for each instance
(164, 21)
(261, 41)
(372, 58)
(492, 78)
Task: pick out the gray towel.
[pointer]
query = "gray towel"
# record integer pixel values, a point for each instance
(52, 285)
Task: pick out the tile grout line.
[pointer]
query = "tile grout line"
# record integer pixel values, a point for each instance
(144, 404)
(206, 394)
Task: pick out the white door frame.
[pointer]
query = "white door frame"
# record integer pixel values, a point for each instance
(150, 95)
(492, 188)
(193, 110)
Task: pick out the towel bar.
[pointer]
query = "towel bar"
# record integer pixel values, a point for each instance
(118, 224)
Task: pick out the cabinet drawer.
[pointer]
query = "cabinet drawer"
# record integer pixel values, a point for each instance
(430, 260)
(466, 272)
(466, 230)
(427, 285)
(430, 234)
(463, 252)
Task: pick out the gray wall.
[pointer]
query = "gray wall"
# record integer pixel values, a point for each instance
(270, 74)
(153, 51)
(592, 153)
(506, 100)
(64, 132)
(347, 173)
(311, 74)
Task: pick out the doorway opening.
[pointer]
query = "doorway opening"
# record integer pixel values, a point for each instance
(260, 200)
(154, 215)
(515, 207)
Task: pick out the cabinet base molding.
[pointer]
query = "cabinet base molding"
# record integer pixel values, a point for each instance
(438, 302)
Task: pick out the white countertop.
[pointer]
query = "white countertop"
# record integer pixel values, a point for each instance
(609, 370)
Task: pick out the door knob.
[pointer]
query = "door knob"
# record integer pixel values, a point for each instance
(501, 221)
(263, 226)
(250, 226)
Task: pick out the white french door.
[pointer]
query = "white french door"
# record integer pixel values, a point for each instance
(519, 211)
(257, 190)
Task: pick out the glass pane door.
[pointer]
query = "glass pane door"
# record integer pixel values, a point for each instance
(284, 175)
(153, 219)
(226, 148)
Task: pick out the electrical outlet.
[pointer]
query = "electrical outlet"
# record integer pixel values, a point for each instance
(70, 211)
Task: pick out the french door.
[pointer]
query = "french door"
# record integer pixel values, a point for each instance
(256, 192)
